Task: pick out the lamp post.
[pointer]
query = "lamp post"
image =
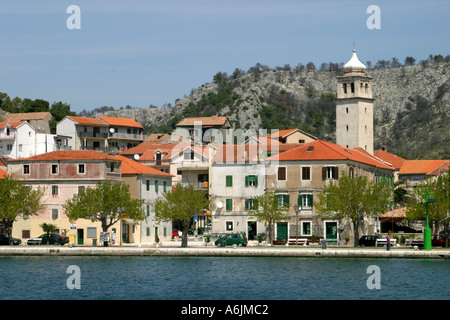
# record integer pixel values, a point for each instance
(427, 230)
(297, 210)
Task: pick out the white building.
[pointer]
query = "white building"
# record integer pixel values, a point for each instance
(20, 140)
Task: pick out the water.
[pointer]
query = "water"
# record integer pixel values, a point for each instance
(222, 278)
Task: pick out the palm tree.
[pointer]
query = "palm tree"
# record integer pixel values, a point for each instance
(48, 228)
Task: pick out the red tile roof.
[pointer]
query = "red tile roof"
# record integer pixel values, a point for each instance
(132, 167)
(230, 153)
(68, 155)
(322, 150)
(282, 133)
(398, 213)
(396, 161)
(91, 121)
(121, 122)
(206, 121)
(26, 116)
(12, 124)
(427, 167)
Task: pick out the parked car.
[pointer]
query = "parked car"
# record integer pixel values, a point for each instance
(175, 233)
(238, 239)
(369, 241)
(7, 241)
(52, 238)
(437, 240)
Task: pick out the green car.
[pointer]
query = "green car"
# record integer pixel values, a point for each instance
(230, 239)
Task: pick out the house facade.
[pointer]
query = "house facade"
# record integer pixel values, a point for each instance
(62, 174)
(146, 184)
(105, 134)
(298, 175)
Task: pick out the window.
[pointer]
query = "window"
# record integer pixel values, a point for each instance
(164, 185)
(305, 200)
(282, 173)
(9, 147)
(112, 166)
(20, 147)
(229, 225)
(251, 181)
(54, 214)
(229, 204)
(91, 232)
(345, 88)
(147, 231)
(306, 228)
(81, 168)
(81, 189)
(346, 128)
(306, 173)
(54, 190)
(283, 200)
(329, 173)
(156, 185)
(251, 204)
(229, 181)
(346, 110)
(148, 210)
(147, 185)
(26, 234)
(352, 86)
(54, 169)
(26, 169)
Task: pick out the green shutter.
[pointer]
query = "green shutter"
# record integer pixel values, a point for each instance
(148, 231)
(311, 203)
(246, 181)
(148, 210)
(299, 200)
(256, 181)
(246, 204)
(286, 200)
(229, 181)
(164, 185)
(148, 184)
(156, 185)
(255, 204)
(229, 204)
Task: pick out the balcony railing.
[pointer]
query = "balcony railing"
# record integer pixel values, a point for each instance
(8, 136)
(101, 135)
(127, 136)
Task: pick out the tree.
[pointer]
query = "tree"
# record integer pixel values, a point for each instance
(182, 203)
(107, 203)
(410, 61)
(438, 211)
(59, 110)
(17, 200)
(48, 228)
(268, 210)
(350, 198)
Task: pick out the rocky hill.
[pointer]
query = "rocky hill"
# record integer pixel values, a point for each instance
(412, 104)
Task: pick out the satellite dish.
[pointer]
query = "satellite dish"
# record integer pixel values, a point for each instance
(136, 157)
(341, 227)
(219, 204)
(111, 130)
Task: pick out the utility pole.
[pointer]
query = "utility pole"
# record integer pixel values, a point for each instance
(427, 230)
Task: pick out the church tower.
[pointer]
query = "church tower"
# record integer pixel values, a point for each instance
(354, 107)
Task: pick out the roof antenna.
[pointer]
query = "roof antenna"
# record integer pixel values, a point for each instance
(354, 45)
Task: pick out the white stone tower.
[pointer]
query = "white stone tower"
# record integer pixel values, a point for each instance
(354, 107)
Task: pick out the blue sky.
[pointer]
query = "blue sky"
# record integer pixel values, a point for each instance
(141, 52)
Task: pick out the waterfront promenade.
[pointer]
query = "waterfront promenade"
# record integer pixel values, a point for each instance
(199, 249)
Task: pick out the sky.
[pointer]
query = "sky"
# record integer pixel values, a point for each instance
(152, 52)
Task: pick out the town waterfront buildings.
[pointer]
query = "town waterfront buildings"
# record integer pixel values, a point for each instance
(206, 153)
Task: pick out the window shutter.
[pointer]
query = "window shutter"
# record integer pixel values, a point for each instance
(246, 181)
(229, 181)
(229, 204)
(256, 181)
(156, 185)
(336, 173)
(255, 204)
(324, 173)
(286, 200)
(310, 196)
(246, 204)
(299, 200)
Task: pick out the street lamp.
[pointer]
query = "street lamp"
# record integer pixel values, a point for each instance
(427, 230)
(297, 209)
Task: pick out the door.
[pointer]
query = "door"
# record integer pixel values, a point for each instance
(282, 231)
(251, 230)
(80, 236)
(331, 231)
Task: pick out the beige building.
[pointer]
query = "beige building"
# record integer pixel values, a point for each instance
(354, 107)
(298, 175)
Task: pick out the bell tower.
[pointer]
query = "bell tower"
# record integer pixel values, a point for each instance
(354, 107)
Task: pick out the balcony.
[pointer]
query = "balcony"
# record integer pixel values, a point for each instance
(96, 135)
(127, 136)
(7, 136)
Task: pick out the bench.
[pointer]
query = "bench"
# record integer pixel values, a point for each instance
(292, 241)
(383, 242)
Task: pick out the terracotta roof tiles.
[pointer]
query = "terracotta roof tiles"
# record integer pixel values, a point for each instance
(68, 155)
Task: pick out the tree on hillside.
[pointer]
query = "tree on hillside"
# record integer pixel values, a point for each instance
(267, 209)
(351, 198)
(17, 200)
(181, 204)
(438, 211)
(107, 203)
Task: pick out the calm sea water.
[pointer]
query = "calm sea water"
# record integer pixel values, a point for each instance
(217, 278)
